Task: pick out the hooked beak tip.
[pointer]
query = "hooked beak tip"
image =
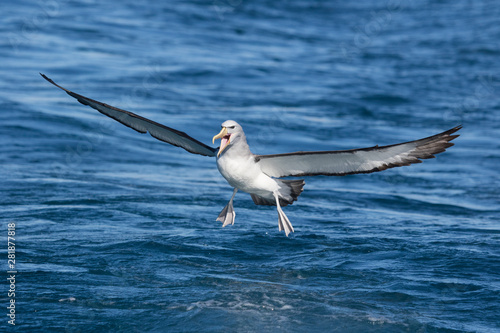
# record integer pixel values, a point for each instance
(220, 135)
(225, 141)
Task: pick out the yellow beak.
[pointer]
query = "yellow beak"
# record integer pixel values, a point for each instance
(221, 134)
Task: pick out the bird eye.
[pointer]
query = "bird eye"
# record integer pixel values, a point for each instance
(232, 127)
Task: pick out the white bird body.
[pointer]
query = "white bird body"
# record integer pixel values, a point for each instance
(245, 175)
(259, 175)
(237, 165)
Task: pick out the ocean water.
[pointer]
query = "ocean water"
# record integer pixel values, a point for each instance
(116, 232)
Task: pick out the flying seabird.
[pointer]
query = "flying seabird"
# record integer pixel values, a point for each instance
(260, 175)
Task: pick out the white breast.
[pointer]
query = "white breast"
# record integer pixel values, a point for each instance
(241, 171)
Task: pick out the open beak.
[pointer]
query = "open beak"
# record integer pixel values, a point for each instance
(225, 140)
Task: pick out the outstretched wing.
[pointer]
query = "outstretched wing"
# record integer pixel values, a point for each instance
(346, 162)
(144, 125)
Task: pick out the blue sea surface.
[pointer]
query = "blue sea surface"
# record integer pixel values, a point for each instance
(116, 231)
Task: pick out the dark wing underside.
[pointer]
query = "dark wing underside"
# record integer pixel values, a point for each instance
(144, 125)
(346, 162)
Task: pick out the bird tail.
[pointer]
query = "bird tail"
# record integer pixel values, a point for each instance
(289, 191)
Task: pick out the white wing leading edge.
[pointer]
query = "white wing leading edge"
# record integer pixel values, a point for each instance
(346, 162)
(144, 125)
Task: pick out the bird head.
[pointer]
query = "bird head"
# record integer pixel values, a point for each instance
(231, 133)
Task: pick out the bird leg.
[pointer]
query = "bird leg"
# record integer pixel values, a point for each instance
(227, 215)
(283, 221)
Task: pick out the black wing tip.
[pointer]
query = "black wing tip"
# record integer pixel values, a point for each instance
(453, 130)
(448, 134)
(47, 78)
(55, 84)
(436, 144)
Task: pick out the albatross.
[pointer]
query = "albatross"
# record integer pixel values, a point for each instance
(261, 175)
